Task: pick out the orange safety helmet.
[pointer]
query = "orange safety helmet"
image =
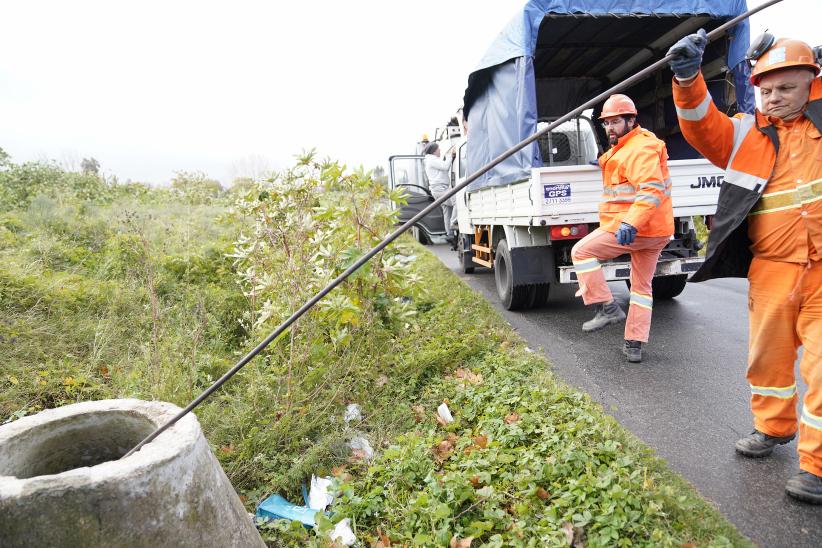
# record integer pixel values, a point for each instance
(617, 105)
(784, 53)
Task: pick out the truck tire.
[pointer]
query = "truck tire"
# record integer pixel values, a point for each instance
(419, 234)
(513, 297)
(666, 287)
(540, 295)
(464, 252)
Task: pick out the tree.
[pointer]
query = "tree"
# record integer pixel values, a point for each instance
(5, 159)
(196, 187)
(379, 175)
(90, 166)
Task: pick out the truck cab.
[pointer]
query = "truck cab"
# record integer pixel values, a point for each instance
(407, 172)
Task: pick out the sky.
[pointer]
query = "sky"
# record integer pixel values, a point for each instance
(239, 88)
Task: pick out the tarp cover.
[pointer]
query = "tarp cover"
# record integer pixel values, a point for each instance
(501, 95)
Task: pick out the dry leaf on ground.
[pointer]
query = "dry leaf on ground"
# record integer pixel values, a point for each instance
(568, 529)
(419, 412)
(457, 542)
(443, 450)
(511, 418)
(466, 375)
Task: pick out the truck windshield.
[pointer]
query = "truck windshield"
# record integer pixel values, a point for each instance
(571, 144)
(408, 172)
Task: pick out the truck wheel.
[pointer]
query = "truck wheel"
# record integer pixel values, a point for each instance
(513, 297)
(540, 295)
(419, 234)
(465, 241)
(666, 287)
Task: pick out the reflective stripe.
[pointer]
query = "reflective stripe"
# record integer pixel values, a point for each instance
(623, 189)
(697, 113)
(775, 391)
(623, 200)
(811, 420)
(745, 180)
(668, 186)
(788, 199)
(658, 185)
(810, 192)
(648, 198)
(588, 265)
(644, 301)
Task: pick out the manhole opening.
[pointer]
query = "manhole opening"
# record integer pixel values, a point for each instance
(72, 442)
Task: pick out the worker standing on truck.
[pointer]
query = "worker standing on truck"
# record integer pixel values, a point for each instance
(635, 217)
(768, 227)
(438, 172)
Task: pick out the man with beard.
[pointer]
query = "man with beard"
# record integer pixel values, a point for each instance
(635, 217)
(768, 227)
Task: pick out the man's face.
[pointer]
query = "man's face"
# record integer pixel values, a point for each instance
(785, 93)
(615, 127)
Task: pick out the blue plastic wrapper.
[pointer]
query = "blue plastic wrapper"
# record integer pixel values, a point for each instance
(276, 507)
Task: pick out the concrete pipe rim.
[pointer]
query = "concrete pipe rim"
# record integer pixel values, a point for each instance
(26, 436)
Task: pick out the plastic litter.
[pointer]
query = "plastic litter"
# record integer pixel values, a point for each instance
(353, 412)
(342, 533)
(276, 507)
(318, 497)
(362, 448)
(445, 413)
(317, 500)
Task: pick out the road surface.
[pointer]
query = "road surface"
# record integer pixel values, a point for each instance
(688, 399)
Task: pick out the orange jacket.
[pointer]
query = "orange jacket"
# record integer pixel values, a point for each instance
(636, 186)
(745, 146)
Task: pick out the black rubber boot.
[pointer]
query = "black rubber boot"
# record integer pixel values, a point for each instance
(758, 444)
(607, 313)
(806, 487)
(633, 350)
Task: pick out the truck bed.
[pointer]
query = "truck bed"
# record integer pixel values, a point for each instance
(571, 194)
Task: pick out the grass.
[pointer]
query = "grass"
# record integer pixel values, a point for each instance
(141, 299)
(528, 461)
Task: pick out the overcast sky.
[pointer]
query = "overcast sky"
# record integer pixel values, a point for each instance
(232, 88)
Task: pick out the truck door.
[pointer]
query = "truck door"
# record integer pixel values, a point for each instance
(408, 172)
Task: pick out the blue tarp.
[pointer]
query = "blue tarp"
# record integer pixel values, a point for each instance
(501, 98)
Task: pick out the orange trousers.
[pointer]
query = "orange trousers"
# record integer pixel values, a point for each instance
(601, 245)
(785, 312)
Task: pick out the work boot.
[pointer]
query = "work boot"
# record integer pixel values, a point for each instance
(607, 313)
(759, 444)
(633, 349)
(806, 487)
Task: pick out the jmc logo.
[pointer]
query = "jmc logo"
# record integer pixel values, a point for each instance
(709, 182)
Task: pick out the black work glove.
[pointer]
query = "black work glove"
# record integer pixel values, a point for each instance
(688, 55)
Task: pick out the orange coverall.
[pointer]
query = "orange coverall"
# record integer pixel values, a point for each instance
(636, 190)
(785, 229)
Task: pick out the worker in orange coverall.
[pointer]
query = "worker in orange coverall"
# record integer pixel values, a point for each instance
(635, 216)
(768, 227)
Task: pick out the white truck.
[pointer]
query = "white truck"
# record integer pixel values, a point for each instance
(525, 230)
(523, 216)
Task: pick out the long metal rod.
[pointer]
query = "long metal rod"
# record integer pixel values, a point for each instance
(435, 204)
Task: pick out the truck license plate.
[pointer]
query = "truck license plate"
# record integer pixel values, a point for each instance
(556, 194)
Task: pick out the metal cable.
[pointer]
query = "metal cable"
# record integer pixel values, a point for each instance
(714, 34)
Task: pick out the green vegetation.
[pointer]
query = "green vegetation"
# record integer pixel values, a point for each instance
(110, 290)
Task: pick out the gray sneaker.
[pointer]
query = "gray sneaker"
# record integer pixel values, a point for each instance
(758, 444)
(633, 350)
(607, 313)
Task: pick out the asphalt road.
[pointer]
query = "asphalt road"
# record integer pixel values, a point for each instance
(688, 399)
